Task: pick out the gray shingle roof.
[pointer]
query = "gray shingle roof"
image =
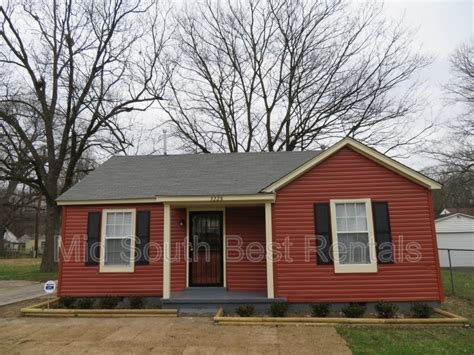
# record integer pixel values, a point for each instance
(126, 177)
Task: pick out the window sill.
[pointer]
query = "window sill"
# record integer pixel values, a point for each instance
(353, 269)
(116, 269)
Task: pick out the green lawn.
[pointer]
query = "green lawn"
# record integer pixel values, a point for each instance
(422, 340)
(435, 340)
(463, 284)
(24, 269)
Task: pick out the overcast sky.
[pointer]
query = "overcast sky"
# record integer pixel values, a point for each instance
(442, 26)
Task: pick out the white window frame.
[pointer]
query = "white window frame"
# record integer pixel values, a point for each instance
(117, 268)
(354, 268)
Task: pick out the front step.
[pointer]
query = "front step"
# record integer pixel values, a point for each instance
(207, 301)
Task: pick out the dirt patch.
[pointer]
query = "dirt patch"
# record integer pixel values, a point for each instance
(459, 306)
(13, 310)
(165, 336)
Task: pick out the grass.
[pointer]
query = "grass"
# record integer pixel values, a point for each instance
(440, 340)
(463, 284)
(421, 340)
(24, 269)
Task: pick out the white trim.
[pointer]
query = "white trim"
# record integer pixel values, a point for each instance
(364, 150)
(354, 268)
(181, 200)
(216, 200)
(112, 268)
(224, 248)
(268, 249)
(166, 251)
(224, 240)
(187, 247)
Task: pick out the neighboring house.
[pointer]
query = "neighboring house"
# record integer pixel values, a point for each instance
(255, 217)
(456, 231)
(10, 241)
(29, 243)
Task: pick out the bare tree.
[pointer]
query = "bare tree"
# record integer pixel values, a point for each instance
(70, 70)
(462, 67)
(290, 75)
(13, 201)
(457, 190)
(454, 151)
(459, 154)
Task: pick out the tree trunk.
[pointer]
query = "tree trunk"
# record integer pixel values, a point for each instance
(49, 261)
(2, 234)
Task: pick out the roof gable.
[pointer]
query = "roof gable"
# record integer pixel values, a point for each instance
(458, 215)
(464, 210)
(455, 223)
(363, 150)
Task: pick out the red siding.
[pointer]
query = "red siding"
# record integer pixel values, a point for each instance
(77, 279)
(249, 224)
(348, 174)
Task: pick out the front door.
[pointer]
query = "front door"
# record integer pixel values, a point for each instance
(205, 248)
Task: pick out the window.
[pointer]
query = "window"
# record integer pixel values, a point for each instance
(352, 229)
(118, 241)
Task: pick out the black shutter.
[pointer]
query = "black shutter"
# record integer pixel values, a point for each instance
(323, 234)
(383, 235)
(142, 237)
(93, 239)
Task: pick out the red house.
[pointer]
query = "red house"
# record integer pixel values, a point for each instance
(346, 224)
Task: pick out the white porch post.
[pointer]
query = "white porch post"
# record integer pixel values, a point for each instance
(269, 251)
(166, 251)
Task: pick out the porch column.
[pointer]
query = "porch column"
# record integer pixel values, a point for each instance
(268, 249)
(166, 250)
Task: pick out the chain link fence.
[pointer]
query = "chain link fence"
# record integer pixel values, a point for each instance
(457, 268)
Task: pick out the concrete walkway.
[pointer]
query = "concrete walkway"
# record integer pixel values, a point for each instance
(17, 291)
(161, 336)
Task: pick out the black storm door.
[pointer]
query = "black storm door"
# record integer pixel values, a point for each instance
(205, 248)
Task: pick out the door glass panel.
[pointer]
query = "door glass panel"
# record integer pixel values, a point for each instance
(206, 249)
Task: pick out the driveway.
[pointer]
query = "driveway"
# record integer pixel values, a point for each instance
(16, 291)
(161, 335)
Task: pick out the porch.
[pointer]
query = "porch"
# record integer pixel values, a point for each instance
(215, 270)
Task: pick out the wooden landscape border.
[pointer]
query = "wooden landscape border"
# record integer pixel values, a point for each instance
(42, 310)
(446, 319)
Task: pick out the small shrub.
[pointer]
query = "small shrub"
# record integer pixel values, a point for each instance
(386, 309)
(245, 310)
(136, 302)
(354, 310)
(320, 309)
(67, 301)
(109, 302)
(279, 309)
(85, 303)
(421, 310)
